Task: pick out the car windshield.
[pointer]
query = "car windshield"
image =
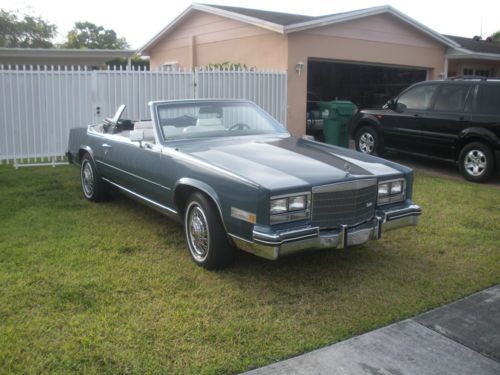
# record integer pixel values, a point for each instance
(214, 119)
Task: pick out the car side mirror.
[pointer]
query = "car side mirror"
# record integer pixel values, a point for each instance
(389, 104)
(137, 135)
(399, 107)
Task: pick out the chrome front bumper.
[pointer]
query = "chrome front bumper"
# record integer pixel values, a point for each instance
(275, 245)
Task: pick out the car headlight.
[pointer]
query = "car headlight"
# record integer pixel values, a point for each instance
(297, 203)
(396, 187)
(279, 206)
(383, 190)
(391, 191)
(290, 208)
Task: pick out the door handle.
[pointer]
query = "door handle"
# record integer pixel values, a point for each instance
(461, 118)
(105, 145)
(416, 115)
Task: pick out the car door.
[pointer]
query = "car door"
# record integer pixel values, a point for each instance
(146, 171)
(403, 131)
(109, 150)
(449, 115)
(487, 109)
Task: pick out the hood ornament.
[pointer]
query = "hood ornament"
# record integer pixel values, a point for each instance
(347, 169)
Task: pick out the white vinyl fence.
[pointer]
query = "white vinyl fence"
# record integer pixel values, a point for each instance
(39, 106)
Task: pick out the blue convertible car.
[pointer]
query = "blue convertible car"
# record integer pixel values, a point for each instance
(235, 177)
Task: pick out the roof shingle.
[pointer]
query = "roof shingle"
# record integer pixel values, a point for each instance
(481, 46)
(278, 18)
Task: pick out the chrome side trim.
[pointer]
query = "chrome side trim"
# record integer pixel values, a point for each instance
(168, 210)
(343, 186)
(134, 175)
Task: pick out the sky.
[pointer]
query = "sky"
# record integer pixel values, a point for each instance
(140, 20)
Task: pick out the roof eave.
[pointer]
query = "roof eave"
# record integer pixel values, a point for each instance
(64, 52)
(159, 35)
(462, 53)
(220, 12)
(366, 13)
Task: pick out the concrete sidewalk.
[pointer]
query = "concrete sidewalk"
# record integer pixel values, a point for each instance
(460, 338)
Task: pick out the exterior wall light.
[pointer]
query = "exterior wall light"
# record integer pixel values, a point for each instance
(299, 67)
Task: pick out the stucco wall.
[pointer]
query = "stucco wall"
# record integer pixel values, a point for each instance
(204, 38)
(381, 39)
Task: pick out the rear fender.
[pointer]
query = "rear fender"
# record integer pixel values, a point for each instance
(477, 134)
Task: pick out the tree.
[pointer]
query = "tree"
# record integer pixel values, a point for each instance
(25, 31)
(495, 36)
(89, 35)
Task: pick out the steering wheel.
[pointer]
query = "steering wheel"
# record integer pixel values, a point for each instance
(239, 126)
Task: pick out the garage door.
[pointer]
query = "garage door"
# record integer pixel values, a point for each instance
(366, 85)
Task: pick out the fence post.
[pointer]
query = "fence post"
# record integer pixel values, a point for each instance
(194, 74)
(94, 96)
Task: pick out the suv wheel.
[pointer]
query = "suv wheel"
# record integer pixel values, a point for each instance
(367, 140)
(476, 162)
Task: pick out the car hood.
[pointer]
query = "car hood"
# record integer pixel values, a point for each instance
(279, 163)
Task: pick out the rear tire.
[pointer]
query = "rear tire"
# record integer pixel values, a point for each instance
(93, 187)
(205, 235)
(476, 162)
(368, 141)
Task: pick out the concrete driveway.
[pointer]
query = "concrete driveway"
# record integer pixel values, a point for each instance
(460, 338)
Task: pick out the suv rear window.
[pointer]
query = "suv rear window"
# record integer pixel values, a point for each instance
(451, 98)
(488, 99)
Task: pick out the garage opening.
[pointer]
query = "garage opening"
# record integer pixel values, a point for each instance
(368, 86)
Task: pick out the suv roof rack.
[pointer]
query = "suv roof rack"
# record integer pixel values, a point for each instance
(475, 78)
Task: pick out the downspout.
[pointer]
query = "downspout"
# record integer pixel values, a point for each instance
(445, 73)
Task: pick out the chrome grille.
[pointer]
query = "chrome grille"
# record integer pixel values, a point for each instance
(349, 203)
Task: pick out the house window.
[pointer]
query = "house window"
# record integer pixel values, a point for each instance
(476, 71)
(170, 65)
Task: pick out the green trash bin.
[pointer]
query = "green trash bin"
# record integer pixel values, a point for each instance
(336, 115)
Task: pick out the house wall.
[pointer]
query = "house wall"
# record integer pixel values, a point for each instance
(204, 38)
(381, 39)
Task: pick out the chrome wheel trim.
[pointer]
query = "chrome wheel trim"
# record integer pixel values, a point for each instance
(366, 143)
(87, 176)
(197, 232)
(475, 162)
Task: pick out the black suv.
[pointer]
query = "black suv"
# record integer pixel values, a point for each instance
(456, 119)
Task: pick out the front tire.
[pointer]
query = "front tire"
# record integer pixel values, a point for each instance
(93, 187)
(205, 235)
(476, 162)
(367, 141)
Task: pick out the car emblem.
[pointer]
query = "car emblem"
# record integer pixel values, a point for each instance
(347, 169)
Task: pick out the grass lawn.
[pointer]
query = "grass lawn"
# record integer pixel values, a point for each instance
(110, 288)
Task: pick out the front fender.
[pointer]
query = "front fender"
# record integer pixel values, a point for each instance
(202, 186)
(362, 119)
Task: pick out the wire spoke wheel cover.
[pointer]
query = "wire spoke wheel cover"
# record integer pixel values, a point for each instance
(87, 176)
(475, 162)
(198, 232)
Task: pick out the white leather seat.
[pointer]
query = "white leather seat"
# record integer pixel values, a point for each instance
(209, 124)
(147, 129)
